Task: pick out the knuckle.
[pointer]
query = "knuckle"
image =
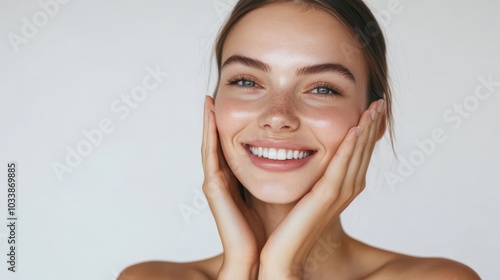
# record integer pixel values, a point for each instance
(360, 182)
(211, 188)
(347, 194)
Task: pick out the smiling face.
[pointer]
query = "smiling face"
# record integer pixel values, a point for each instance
(286, 84)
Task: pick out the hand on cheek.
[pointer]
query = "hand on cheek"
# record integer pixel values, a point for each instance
(288, 247)
(239, 228)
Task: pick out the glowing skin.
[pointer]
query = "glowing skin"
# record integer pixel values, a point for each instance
(279, 232)
(281, 105)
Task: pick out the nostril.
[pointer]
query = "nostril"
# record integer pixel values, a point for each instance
(279, 118)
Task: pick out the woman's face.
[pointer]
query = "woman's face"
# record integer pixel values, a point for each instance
(291, 81)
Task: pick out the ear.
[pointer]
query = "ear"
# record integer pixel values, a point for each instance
(383, 126)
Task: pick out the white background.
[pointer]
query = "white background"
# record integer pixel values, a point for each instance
(121, 204)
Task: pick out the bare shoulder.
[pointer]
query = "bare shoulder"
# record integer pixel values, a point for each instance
(206, 269)
(375, 263)
(409, 267)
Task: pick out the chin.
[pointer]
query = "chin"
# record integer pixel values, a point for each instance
(277, 192)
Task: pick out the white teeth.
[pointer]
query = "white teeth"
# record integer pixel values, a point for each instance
(281, 154)
(272, 153)
(278, 154)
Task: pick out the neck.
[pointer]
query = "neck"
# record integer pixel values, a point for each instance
(331, 250)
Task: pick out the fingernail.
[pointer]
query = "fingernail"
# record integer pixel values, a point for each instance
(380, 105)
(372, 114)
(358, 130)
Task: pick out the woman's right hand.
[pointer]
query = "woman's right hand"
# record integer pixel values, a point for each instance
(240, 229)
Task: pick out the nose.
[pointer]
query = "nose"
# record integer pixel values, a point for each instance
(279, 114)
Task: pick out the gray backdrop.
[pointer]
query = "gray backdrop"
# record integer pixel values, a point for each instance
(101, 109)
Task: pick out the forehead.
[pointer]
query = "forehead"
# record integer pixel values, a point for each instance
(287, 35)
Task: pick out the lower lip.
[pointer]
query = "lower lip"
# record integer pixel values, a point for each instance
(277, 165)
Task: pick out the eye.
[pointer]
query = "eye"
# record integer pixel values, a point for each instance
(243, 82)
(323, 90)
(326, 89)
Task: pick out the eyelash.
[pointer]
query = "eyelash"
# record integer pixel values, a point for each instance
(234, 81)
(335, 91)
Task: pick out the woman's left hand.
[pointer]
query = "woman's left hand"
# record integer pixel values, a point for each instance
(286, 251)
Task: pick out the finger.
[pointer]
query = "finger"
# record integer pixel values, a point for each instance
(212, 175)
(204, 133)
(330, 185)
(307, 219)
(347, 190)
(313, 212)
(362, 144)
(233, 227)
(222, 160)
(314, 204)
(347, 159)
(361, 178)
(212, 157)
(230, 221)
(224, 167)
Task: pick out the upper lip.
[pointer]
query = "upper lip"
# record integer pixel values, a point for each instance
(279, 145)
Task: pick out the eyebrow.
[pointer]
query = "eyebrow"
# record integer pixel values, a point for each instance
(239, 59)
(327, 67)
(308, 70)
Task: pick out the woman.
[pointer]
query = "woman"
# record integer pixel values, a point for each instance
(302, 98)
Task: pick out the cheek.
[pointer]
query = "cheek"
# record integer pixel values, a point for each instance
(233, 111)
(231, 117)
(331, 126)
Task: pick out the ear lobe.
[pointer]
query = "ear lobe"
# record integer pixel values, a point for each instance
(383, 126)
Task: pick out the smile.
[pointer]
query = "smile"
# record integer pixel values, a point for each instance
(278, 154)
(278, 159)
